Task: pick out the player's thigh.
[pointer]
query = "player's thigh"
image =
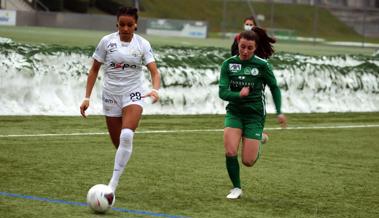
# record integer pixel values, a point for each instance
(132, 107)
(232, 138)
(232, 134)
(113, 115)
(131, 116)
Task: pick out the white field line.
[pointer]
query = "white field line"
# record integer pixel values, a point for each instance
(194, 130)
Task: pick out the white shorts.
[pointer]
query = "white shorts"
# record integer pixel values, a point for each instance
(113, 104)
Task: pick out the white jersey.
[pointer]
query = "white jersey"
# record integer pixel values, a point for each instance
(123, 62)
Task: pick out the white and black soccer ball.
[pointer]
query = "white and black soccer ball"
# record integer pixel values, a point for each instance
(100, 198)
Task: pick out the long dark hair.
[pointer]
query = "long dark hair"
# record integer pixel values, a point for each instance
(129, 11)
(262, 39)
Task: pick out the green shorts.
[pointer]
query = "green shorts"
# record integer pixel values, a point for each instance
(251, 125)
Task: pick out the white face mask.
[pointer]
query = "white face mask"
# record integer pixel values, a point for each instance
(247, 27)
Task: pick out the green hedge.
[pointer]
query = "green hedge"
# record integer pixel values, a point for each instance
(56, 5)
(80, 6)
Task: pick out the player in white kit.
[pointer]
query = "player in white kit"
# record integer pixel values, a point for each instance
(123, 54)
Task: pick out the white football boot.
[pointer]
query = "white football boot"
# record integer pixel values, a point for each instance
(235, 193)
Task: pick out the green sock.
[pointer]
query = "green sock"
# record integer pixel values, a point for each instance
(233, 168)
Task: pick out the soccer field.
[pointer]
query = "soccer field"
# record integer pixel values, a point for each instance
(323, 165)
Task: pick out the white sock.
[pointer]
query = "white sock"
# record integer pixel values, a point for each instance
(122, 157)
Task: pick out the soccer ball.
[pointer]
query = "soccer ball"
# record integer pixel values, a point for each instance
(100, 198)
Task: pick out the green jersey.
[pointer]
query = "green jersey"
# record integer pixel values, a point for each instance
(255, 73)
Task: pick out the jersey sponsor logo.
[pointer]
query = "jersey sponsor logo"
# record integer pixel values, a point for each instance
(109, 101)
(234, 67)
(112, 47)
(135, 53)
(239, 83)
(122, 65)
(250, 71)
(254, 71)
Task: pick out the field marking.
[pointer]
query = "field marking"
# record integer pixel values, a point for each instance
(59, 201)
(192, 130)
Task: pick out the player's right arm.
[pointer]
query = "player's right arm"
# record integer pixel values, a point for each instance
(98, 58)
(91, 79)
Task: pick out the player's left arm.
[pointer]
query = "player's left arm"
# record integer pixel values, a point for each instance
(155, 81)
(275, 92)
(149, 60)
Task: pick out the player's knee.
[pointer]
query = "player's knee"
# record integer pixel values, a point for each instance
(126, 135)
(126, 138)
(231, 153)
(249, 163)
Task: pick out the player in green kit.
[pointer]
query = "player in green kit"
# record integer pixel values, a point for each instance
(242, 83)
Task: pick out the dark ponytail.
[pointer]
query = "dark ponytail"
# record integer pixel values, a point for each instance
(263, 41)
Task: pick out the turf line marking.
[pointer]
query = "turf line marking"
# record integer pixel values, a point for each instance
(58, 201)
(193, 130)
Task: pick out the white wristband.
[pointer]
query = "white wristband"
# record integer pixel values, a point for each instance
(86, 99)
(155, 90)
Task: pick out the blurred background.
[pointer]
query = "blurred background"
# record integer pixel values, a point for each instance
(315, 20)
